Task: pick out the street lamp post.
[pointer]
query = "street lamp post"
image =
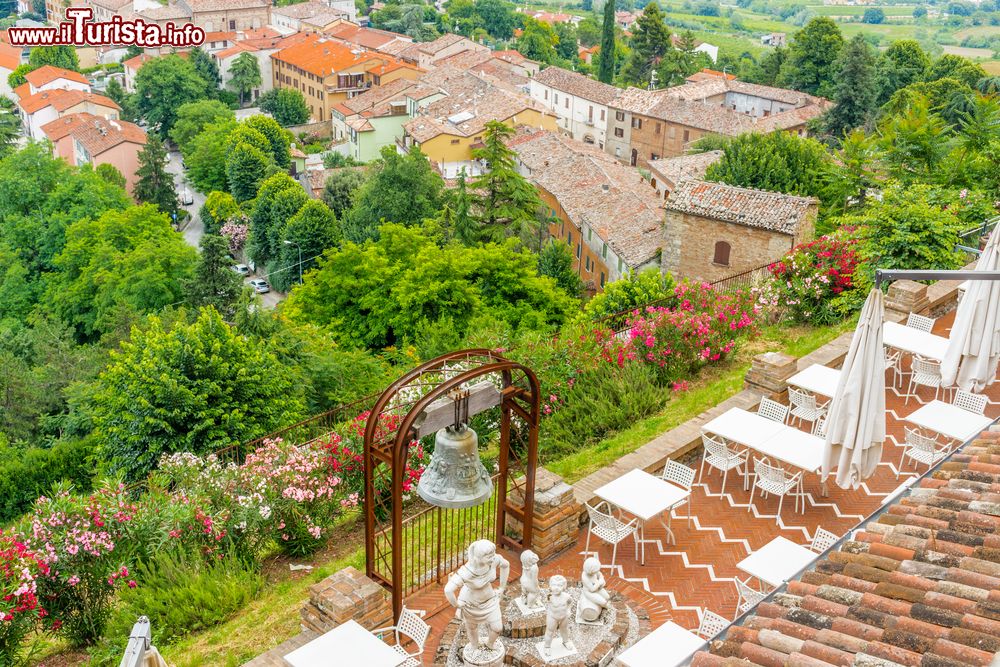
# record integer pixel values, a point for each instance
(287, 242)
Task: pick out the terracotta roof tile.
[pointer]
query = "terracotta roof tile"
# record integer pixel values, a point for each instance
(682, 167)
(10, 56)
(49, 73)
(224, 5)
(577, 84)
(323, 57)
(596, 190)
(931, 610)
(96, 134)
(753, 208)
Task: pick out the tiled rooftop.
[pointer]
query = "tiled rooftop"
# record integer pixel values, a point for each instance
(744, 206)
(917, 586)
(574, 83)
(682, 167)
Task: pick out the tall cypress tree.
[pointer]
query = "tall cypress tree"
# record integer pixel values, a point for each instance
(606, 72)
(855, 88)
(155, 185)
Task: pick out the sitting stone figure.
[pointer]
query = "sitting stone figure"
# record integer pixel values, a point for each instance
(557, 614)
(531, 594)
(593, 598)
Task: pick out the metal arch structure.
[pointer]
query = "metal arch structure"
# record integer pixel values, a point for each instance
(391, 431)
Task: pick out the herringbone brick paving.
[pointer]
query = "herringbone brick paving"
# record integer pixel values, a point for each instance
(680, 580)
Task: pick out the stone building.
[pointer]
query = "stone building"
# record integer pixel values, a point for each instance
(610, 218)
(713, 230)
(579, 102)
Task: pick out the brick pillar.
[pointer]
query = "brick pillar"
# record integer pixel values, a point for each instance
(343, 596)
(907, 296)
(556, 519)
(769, 371)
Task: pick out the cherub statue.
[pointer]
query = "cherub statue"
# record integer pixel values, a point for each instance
(477, 602)
(531, 594)
(557, 614)
(593, 598)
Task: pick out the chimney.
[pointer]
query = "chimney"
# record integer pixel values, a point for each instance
(605, 187)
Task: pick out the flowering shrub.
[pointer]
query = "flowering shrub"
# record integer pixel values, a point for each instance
(704, 327)
(808, 281)
(19, 606)
(236, 233)
(78, 539)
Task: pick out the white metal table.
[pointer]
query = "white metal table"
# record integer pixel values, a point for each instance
(949, 420)
(645, 497)
(669, 645)
(347, 645)
(777, 561)
(746, 428)
(817, 379)
(796, 448)
(914, 341)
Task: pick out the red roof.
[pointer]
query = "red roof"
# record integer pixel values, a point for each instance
(49, 73)
(62, 99)
(96, 134)
(10, 56)
(135, 62)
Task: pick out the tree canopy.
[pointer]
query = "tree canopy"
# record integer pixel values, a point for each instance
(162, 86)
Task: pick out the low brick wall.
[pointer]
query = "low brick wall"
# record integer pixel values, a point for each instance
(556, 517)
(346, 595)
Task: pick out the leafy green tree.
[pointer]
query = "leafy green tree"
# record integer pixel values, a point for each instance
(629, 293)
(464, 226)
(556, 261)
(873, 16)
(339, 189)
(10, 126)
(57, 56)
(155, 186)
(110, 173)
(566, 47)
(206, 68)
(588, 32)
(768, 71)
(280, 197)
(854, 171)
(122, 98)
(215, 283)
(162, 86)
(194, 117)
(902, 64)
(246, 167)
(131, 259)
(915, 142)
(778, 162)
(650, 42)
(400, 188)
(498, 17)
(311, 231)
(811, 65)
(205, 156)
(956, 67)
(606, 63)
(948, 98)
(195, 388)
(245, 74)
(679, 63)
(278, 138)
(387, 292)
(504, 204)
(537, 41)
(18, 76)
(286, 105)
(218, 209)
(854, 92)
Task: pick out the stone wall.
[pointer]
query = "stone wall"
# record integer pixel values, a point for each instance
(557, 513)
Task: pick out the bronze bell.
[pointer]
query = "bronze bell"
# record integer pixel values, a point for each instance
(455, 477)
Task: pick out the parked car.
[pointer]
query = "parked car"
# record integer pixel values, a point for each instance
(186, 197)
(241, 269)
(260, 286)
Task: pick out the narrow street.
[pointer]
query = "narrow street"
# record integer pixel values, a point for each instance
(195, 229)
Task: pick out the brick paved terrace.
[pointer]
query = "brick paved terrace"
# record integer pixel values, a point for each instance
(680, 580)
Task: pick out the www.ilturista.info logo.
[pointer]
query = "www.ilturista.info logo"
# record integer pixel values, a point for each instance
(79, 30)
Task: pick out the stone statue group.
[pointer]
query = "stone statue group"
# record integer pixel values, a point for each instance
(470, 590)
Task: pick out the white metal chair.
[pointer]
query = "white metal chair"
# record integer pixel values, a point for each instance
(894, 363)
(920, 322)
(804, 406)
(819, 428)
(921, 449)
(969, 401)
(683, 476)
(822, 540)
(773, 410)
(719, 456)
(711, 625)
(412, 628)
(609, 528)
(772, 479)
(749, 597)
(925, 373)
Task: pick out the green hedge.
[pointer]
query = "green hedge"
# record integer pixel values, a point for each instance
(26, 474)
